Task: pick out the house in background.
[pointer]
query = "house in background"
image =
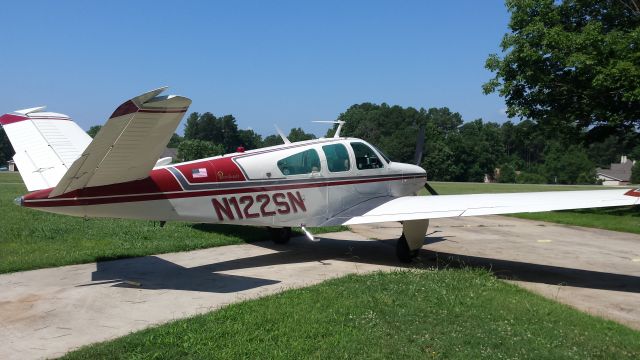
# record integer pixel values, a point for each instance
(617, 174)
(11, 165)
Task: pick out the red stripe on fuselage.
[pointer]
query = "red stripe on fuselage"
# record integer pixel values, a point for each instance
(113, 199)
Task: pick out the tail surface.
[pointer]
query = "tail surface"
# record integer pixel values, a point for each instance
(46, 145)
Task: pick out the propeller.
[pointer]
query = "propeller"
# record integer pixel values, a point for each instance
(417, 158)
(430, 189)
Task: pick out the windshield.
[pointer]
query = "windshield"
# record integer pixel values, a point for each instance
(386, 158)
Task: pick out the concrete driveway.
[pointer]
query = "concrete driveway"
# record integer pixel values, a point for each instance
(45, 313)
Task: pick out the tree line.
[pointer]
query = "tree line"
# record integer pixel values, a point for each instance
(449, 148)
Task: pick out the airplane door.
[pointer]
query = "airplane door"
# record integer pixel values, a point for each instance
(369, 168)
(338, 165)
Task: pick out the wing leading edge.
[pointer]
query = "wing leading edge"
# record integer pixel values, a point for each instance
(433, 207)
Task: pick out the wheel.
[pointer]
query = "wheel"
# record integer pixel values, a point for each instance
(403, 252)
(280, 235)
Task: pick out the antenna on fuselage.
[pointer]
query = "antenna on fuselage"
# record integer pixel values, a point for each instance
(340, 122)
(282, 135)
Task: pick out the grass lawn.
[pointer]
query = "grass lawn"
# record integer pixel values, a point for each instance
(419, 314)
(626, 218)
(31, 239)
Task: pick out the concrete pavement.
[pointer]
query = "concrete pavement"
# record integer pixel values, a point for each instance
(45, 313)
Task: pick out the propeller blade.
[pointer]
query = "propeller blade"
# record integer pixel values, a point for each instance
(417, 158)
(430, 189)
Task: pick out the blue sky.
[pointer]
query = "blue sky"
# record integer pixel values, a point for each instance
(265, 62)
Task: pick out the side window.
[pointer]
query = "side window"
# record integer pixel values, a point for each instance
(304, 162)
(366, 158)
(337, 157)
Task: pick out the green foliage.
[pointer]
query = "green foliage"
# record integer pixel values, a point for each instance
(175, 141)
(568, 165)
(635, 173)
(297, 134)
(6, 150)
(272, 140)
(635, 153)
(197, 149)
(570, 62)
(507, 174)
(530, 178)
(93, 131)
(392, 128)
(218, 130)
(249, 139)
(417, 314)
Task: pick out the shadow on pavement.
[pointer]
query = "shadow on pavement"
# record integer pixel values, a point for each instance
(156, 273)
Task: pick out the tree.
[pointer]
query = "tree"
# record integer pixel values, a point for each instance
(507, 174)
(635, 173)
(297, 134)
(175, 141)
(249, 139)
(219, 130)
(6, 150)
(197, 149)
(393, 129)
(570, 63)
(568, 165)
(272, 140)
(93, 131)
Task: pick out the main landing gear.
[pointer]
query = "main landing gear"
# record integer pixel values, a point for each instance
(411, 240)
(280, 235)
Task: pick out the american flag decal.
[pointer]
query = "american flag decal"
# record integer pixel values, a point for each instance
(199, 173)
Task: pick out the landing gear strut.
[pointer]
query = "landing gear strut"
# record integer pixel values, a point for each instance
(412, 239)
(280, 235)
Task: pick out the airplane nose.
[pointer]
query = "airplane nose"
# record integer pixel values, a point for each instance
(19, 200)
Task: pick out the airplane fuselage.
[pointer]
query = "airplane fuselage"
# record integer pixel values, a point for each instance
(303, 183)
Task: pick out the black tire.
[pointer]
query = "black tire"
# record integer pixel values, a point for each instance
(403, 252)
(280, 235)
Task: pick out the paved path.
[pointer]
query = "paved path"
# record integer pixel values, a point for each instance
(45, 313)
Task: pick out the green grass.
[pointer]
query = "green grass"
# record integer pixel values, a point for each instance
(420, 314)
(31, 239)
(626, 218)
(453, 188)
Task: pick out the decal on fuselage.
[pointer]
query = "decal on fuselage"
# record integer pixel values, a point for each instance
(253, 206)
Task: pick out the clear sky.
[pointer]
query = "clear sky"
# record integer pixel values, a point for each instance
(265, 62)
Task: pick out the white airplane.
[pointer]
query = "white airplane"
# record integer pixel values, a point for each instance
(327, 181)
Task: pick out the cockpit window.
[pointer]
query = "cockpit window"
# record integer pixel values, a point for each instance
(384, 156)
(366, 158)
(304, 162)
(337, 157)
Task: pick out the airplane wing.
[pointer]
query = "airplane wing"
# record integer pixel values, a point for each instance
(128, 146)
(441, 206)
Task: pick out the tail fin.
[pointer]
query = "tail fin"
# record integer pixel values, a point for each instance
(46, 144)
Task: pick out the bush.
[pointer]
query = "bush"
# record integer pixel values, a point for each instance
(530, 178)
(507, 174)
(197, 149)
(635, 173)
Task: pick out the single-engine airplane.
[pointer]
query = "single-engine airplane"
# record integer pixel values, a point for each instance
(321, 182)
